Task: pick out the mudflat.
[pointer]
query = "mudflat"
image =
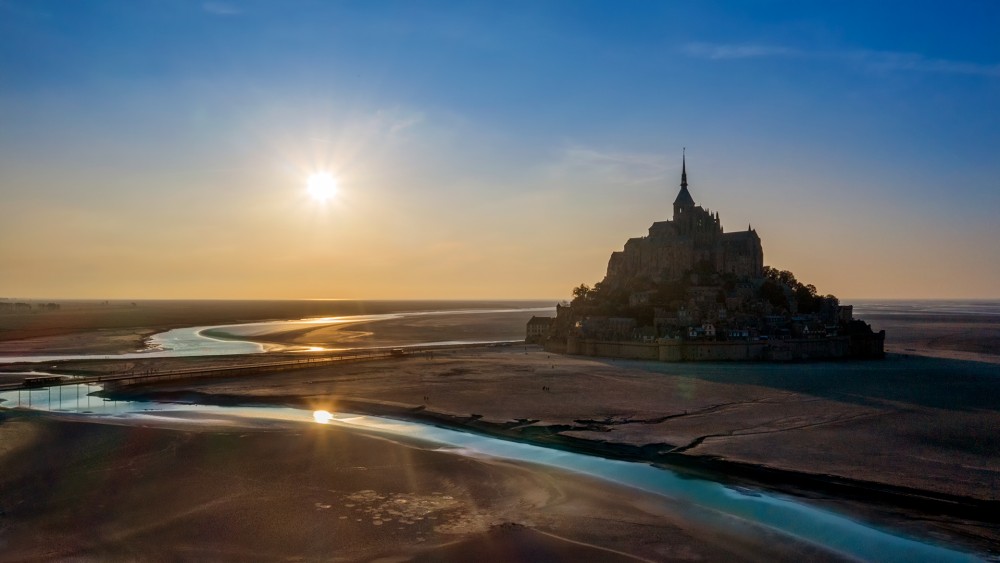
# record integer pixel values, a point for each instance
(124, 326)
(909, 441)
(211, 490)
(916, 426)
(96, 328)
(960, 337)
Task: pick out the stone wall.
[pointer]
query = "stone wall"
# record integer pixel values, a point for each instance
(687, 351)
(705, 351)
(606, 349)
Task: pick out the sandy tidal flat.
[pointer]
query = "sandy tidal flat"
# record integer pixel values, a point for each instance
(118, 327)
(918, 426)
(92, 491)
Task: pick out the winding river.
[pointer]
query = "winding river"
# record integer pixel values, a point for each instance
(714, 501)
(234, 339)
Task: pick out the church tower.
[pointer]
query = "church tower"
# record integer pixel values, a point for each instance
(684, 203)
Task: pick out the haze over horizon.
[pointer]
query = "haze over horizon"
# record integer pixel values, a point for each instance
(165, 150)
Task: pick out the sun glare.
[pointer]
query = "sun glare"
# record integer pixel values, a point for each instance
(322, 186)
(322, 417)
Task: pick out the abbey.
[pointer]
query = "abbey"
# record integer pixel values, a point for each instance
(692, 241)
(688, 291)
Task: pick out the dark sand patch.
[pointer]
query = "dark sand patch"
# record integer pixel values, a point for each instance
(92, 492)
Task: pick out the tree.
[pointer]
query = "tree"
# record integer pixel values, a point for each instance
(773, 293)
(806, 297)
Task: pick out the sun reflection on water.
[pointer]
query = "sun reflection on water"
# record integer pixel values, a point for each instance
(322, 417)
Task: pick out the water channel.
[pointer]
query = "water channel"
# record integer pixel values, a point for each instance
(785, 514)
(231, 339)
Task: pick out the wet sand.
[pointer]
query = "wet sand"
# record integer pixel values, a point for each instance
(404, 331)
(88, 491)
(957, 337)
(909, 441)
(118, 327)
(914, 437)
(87, 327)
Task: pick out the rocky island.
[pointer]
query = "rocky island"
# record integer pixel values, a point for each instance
(690, 291)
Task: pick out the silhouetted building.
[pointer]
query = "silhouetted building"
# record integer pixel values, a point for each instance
(690, 292)
(692, 241)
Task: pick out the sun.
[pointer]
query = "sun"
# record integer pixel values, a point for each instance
(321, 186)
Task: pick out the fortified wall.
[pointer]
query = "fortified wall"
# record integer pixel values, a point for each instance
(704, 351)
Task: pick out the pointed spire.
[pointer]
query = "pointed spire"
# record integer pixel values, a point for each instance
(684, 171)
(684, 198)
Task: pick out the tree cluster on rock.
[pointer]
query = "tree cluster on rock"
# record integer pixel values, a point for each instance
(783, 291)
(706, 302)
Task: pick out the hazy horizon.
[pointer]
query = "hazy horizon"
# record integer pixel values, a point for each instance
(541, 300)
(178, 150)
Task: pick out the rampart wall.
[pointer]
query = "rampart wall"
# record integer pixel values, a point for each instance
(711, 351)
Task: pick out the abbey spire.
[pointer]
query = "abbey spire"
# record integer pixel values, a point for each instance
(684, 200)
(684, 170)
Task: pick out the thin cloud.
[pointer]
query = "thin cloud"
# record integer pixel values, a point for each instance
(221, 9)
(613, 166)
(720, 52)
(401, 124)
(391, 123)
(878, 60)
(888, 60)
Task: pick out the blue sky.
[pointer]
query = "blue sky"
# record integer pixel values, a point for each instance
(490, 149)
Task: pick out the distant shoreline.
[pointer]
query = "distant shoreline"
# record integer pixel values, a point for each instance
(127, 330)
(949, 335)
(956, 355)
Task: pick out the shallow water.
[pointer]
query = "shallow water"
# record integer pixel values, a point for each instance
(225, 340)
(174, 343)
(785, 514)
(939, 307)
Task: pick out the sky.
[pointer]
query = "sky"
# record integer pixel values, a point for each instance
(162, 148)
